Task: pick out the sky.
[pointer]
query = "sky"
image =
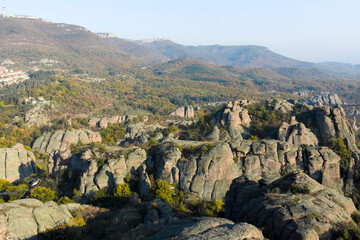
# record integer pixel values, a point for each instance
(308, 30)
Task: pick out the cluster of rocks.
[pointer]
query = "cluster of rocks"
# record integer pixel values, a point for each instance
(279, 105)
(234, 117)
(61, 140)
(113, 173)
(331, 122)
(323, 99)
(296, 134)
(185, 112)
(16, 163)
(294, 207)
(103, 122)
(27, 218)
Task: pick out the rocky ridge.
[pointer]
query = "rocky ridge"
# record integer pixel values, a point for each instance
(103, 122)
(184, 112)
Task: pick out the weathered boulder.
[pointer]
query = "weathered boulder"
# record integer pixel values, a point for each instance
(26, 218)
(184, 112)
(293, 207)
(61, 141)
(16, 163)
(207, 228)
(296, 134)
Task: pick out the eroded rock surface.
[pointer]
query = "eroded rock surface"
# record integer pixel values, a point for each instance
(61, 140)
(184, 112)
(293, 207)
(296, 134)
(207, 228)
(26, 218)
(16, 163)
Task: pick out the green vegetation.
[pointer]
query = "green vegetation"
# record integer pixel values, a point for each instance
(6, 186)
(123, 191)
(43, 194)
(296, 188)
(339, 147)
(264, 123)
(112, 133)
(207, 208)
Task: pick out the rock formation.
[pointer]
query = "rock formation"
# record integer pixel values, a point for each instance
(184, 112)
(294, 207)
(111, 174)
(61, 141)
(332, 123)
(103, 122)
(16, 163)
(234, 117)
(209, 174)
(207, 228)
(279, 105)
(297, 134)
(26, 218)
(323, 99)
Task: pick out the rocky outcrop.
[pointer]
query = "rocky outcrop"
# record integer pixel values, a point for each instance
(268, 159)
(26, 218)
(61, 140)
(279, 105)
(296, 134)
(208, 174)
(184, 112)
(112, 173)
(207, 228)
(332, 123)
(234, 117)
(294, 207)
(323, 99)
(103, 122)
(16, 163)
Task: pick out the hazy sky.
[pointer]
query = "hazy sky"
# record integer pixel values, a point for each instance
(310, 30)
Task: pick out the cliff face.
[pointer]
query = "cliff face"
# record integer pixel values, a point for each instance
(16, 163)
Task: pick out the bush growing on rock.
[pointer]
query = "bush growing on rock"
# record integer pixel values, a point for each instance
(64, 200)
(339, 147)
(206, 208)
(123, 191)
(161, 189)
(43, 194)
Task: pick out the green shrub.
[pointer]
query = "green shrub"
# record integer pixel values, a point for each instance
(43, 194)
(161, 189)
(207, 208)
(123, 191)
(296, 188)
(339, 147)
(64, 200)
(171, 129)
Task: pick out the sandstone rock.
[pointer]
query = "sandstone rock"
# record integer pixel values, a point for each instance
(280, 105)
(144, 182)
(214, 135)
(61, 141)
(286, 211)
(16, 163)
(296, 134)
(234, 117)
(207, 228)
(332, 123)
(184, 112)
(103, 122)
(25, 219)
(323, 99)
